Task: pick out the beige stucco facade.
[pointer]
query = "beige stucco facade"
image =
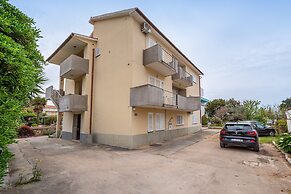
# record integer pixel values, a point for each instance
(117, 68)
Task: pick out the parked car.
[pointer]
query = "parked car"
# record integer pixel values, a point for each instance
(262, 129)
(240, 134)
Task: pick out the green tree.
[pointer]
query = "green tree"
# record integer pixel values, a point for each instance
(251, 108)
(38, 104)
(285, 105)
(214, 105)
(21, 72)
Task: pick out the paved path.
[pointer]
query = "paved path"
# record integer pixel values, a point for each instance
(193, 164)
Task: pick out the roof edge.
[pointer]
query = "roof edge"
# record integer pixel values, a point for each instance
(67, 40)
(128, 12)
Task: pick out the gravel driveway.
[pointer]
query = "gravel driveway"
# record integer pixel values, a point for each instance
(192, 164)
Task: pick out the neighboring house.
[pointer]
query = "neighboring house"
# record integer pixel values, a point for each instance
(288, 114)
(126, 84)
(50, 110)
(204, 101)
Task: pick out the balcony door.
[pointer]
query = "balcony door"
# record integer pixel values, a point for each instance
(156, 82)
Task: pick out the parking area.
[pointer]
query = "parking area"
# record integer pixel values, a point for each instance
(192, 164)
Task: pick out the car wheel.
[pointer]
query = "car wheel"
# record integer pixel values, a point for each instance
(222, 145)
(257, 148)
(272, 133)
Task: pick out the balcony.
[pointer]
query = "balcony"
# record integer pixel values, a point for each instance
(73, 103)
(182, 79)
(157, 59)
(74, 67)
(189, 103)
(149, 96)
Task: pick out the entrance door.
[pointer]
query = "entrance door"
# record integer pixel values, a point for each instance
(76, 126)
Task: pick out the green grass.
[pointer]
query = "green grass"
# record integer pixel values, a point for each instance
(269, 139)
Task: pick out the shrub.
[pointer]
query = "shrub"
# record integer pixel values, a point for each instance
(285, 143)
(281, 126)
(25, 131)
(204, 120)
(216, 121)
(50, 120)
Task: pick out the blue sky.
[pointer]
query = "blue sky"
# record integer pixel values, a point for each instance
(243, 47)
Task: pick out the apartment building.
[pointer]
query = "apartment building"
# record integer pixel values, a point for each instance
(125, 85)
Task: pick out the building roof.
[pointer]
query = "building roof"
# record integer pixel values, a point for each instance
(133, 12)
(50, 106)
(73, 43)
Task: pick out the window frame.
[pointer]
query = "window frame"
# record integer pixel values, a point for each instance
(182, 120)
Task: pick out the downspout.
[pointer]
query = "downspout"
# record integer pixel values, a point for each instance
(200, 100)
(91, 92)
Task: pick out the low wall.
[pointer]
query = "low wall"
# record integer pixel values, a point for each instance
(135, 141)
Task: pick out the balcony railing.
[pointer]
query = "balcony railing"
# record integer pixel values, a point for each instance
(182, 79)
(153, 97)
(74, 67)
(159, 60)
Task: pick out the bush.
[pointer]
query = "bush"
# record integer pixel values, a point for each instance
(50, 120)
(281, 126)
(25, 131)
(215, 121)
(204, 120)
(285, 143)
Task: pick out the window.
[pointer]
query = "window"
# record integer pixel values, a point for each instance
(156, 82)
(194, 120)
(160, 119)
(179, 120)
(150, 42)
(150, 122)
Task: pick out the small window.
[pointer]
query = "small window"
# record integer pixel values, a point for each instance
(150, 122)
(194, 120)
(179, 120)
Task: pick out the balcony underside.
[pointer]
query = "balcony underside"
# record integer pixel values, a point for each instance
(182, 83)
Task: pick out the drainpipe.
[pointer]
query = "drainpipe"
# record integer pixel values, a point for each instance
(200, 100)
(91, 91)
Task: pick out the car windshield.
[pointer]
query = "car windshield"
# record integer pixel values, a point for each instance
(238, 127)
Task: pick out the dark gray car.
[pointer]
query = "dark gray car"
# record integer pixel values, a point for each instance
(262, 129)
(239, 134)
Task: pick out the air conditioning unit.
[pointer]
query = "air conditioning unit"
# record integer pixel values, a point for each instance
(145, 28)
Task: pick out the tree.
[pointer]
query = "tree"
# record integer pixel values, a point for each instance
(38, 104)
(21, 72)
(251, 108)
(286, 104)
(214, 105)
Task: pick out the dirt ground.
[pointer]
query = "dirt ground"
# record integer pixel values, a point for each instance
(192, 164)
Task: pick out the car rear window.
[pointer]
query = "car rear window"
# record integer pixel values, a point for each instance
(238, 127)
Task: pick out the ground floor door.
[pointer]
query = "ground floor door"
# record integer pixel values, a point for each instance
(76, 126)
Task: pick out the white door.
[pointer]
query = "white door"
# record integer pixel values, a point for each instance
(150, 122)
